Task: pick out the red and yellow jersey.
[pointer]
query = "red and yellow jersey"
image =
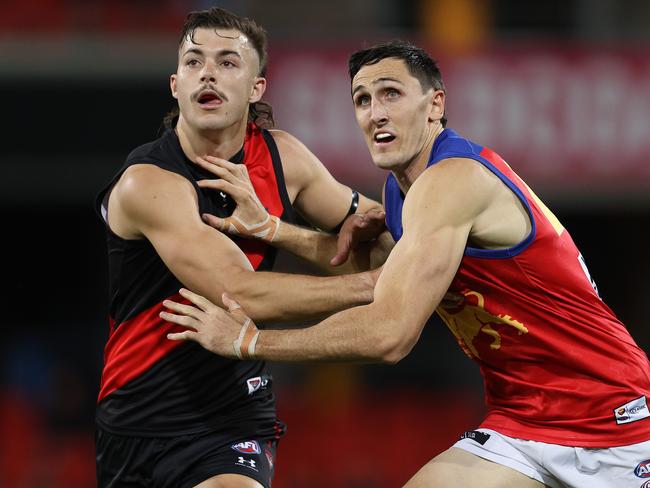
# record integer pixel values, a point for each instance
(558, 366)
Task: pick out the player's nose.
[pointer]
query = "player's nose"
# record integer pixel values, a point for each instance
(378, 113)
(208, 73)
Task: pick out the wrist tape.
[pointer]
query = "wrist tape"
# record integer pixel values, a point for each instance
(265, 230)
(244, 345)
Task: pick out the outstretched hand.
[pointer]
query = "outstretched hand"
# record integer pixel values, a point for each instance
(358, 228)
(228, 333)
(250, 218)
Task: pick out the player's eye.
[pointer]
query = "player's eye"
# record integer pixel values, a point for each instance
(392, 93)
(362, 100)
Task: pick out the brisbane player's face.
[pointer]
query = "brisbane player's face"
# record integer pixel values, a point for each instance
(216, 78)
(393, 112)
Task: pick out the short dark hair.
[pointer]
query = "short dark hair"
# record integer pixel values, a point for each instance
(217, 18)
(418, 62)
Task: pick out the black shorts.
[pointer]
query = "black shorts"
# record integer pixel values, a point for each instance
(180, 462)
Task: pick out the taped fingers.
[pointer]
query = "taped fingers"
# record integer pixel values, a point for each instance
(234, 309)
(230, 303)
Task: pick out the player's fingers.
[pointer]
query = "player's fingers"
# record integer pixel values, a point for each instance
(343, 246)
(203, 303)
(182, 308)
(233, 306)
(376, 214)
(183, 320)
(186, 335)
(217, 170)
(236, 188)
(216, 222)
(220, 163)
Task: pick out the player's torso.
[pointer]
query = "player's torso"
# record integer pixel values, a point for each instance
(556, 361)
(153, 386)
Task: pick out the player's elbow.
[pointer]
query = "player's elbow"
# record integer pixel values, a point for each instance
(394, 351)
(394, 343)
(247, 288)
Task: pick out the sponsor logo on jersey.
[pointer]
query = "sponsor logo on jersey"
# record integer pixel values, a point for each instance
(475, 435)
(247, 447)
(256, 383)
(632, 411)
(643, 469)
(249, 463)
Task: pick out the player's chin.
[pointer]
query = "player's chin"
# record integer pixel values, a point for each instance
(383, 161)
(211, 123)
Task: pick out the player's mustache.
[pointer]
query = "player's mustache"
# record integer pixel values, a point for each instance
(212, 88)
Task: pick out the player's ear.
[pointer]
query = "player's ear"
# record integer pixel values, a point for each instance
(258, 89)
(172, 85)
(437, 106)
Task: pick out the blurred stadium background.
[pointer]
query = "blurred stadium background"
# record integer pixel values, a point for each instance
(560, 88)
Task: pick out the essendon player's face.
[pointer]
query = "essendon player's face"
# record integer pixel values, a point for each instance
(216, 79)
(398, 119)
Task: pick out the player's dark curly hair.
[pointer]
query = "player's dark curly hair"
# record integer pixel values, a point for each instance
(217, 18)
(418, 62)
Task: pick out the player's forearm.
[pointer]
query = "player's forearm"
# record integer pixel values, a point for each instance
(279, 297)
(319, 248)
(360, 334)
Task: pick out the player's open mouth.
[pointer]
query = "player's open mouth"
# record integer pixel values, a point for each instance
(384, 137)
(209, 99)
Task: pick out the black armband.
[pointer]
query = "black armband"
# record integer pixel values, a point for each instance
(353, 208)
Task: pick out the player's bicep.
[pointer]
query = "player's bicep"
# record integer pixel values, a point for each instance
(418, 273)
(422, 265)
(164, 208)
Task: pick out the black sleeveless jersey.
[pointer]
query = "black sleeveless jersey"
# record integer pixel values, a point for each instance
(152, 386)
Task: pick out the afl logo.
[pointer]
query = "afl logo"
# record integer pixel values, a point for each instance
(249, 447)
(643, 469)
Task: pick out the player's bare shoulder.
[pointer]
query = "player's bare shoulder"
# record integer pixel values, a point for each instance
(456, 183)
(142, 191)
(298, 162)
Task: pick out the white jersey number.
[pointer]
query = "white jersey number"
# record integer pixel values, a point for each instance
(583, 264)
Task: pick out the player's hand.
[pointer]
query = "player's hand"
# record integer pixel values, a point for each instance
(226, 333)
(358, 228)
(250, 218)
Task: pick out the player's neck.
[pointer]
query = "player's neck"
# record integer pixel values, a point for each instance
(407, 175)
(222, 143)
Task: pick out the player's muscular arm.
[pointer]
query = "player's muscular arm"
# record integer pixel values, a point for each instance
(162, 207)
(438, 215)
